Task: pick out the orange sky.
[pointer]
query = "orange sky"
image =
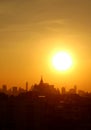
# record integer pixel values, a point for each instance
(32, 31)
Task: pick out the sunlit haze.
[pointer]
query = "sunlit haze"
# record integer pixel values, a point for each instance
(32, 32)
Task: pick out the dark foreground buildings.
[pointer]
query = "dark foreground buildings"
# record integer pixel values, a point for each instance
(44, 108)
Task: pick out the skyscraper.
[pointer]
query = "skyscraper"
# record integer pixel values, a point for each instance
(26, 86)
(4, 88)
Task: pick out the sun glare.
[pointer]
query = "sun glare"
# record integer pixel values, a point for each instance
(62, 61)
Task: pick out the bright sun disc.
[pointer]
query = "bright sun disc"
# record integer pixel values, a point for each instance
(62, 61)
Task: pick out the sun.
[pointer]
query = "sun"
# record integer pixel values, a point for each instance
(62, 61)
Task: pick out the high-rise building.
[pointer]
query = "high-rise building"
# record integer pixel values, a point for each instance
(26, 86)
(14, 90)
(4, 89)
(63, 90)
(44, 88)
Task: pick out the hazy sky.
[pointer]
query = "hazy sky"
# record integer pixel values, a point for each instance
(32, 30)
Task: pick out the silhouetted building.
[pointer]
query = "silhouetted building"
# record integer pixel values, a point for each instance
(41, 81)
(73, 90)
(10, 91)
(26, 86)
(21, 90)
(63, 90)
(44, 88)
(4, 89)
(81, 93)
(14, 90)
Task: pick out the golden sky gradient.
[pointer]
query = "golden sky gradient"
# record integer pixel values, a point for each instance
(31, 31)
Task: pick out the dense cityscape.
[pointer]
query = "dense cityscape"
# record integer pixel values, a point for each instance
(44, 107)
(42, 86)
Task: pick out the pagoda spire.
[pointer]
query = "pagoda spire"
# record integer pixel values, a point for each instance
(41, 81)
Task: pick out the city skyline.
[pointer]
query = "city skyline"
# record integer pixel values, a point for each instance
(31, 32)
(43, 88)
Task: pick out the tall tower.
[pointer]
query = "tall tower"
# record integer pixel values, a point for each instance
(26, 86)
(41, 81)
